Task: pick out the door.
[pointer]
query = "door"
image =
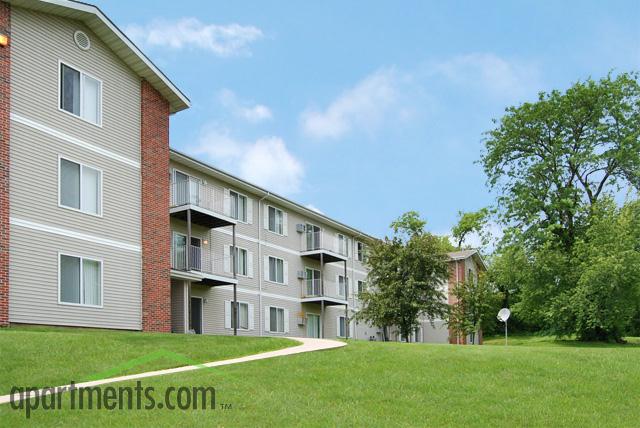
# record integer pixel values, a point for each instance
(181, 184)
(313, 237)
(179, 248)
(195, 254)
(313, 282)
(196, 314)
(313, 325)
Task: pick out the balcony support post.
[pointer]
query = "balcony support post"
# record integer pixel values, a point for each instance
(234, 311)
(188, 243)
(346, 298)
(322, 294)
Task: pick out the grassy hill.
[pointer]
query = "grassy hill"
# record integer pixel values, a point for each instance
(394, 384)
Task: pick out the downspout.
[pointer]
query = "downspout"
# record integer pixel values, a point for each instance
(260, 261)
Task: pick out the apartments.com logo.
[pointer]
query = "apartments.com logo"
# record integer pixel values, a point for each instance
(139, 397)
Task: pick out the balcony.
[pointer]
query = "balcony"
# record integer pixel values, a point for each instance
(199, 268)
(191, 197)
(314, 248)
(312, 293)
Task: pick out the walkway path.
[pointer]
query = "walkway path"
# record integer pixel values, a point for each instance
(307, 345)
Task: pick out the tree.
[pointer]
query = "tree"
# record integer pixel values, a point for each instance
(471, 222)
(406, 273)
(475, 304)
(551, 160)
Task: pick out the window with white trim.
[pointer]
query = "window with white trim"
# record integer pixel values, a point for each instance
(360, 251)
(80, 94)
(80, 187)
(342, 327)
(276, 270)
(243, 316)
(361, 286)
(238, 206)
(343, 283)
(343, 245)
(241, 262)
(276, 220)
(80, 280)
(276, 320)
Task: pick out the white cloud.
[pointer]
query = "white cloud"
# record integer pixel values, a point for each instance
(499, 76)
(362, 107)
(266, 161)
(246, 110)
(314, 208)
(190, 33)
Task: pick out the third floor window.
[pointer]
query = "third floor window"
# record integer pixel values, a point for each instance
(80, 94)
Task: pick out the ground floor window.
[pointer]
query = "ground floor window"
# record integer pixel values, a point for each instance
(80, 280)
(342, 327)
(276, 320)
(243, 316)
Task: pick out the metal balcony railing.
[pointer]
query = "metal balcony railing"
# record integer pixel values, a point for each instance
(199, 260)
(194, 192)
(313, 288)
(314, 241)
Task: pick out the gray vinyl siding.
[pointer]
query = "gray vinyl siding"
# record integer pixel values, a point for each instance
(177, 306)
(39, 42)
(33, 276)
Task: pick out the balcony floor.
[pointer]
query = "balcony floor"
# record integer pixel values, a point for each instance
(201, 216)
(328, 301)
(327, 256)
(203, 278)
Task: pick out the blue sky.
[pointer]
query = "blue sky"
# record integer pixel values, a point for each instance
(366, 109)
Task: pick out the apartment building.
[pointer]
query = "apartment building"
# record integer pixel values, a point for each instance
(102, 225)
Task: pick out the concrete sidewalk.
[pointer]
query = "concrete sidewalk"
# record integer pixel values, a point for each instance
(307, 345)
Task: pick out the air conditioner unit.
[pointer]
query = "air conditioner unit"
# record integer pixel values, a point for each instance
(302, 274)
(300, 320)
(300, 228)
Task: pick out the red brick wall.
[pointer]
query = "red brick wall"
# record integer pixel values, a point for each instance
(5, 94)
(156, 262)
(453, 279)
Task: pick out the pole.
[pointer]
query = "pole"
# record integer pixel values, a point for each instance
(234, 311)
(505, 333)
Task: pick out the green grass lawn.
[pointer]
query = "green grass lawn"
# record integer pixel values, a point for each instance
(394, 384)
(49, 356)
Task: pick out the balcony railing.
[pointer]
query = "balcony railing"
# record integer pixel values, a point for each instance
(314, 241)
(313, 288)
(199, 260)
(194, 192)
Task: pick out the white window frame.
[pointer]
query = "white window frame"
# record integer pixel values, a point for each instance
(269, 223)
(276, 273)
(82, 258)
(340, 318)
(306, 280)
(246, 265)
(246, 208)
(364, 286)
(241, 302)
(360, 254)
(345, 240)
(82, 165)
(277, 308)
(346, 285)
(82, 74)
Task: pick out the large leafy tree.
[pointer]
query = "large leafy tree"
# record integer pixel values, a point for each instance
(551, 160)
(470, 223)
(406, 273)
(475, 305)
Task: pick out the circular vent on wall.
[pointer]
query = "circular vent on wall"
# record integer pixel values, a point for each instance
(82, 40)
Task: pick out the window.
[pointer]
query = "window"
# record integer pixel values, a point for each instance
(361, 286)
(361, 250)
(276, 221)
(343, 283)
(343, 245)
(80, 94)
(243, 316)
(313, 237)
(342, 327)
(241, 262)
(276, 320)
(313, 282)
(238, 206)
(276, 270)
(80, 187)
(80, 281)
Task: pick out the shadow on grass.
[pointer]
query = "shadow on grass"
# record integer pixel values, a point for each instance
(536, 340)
